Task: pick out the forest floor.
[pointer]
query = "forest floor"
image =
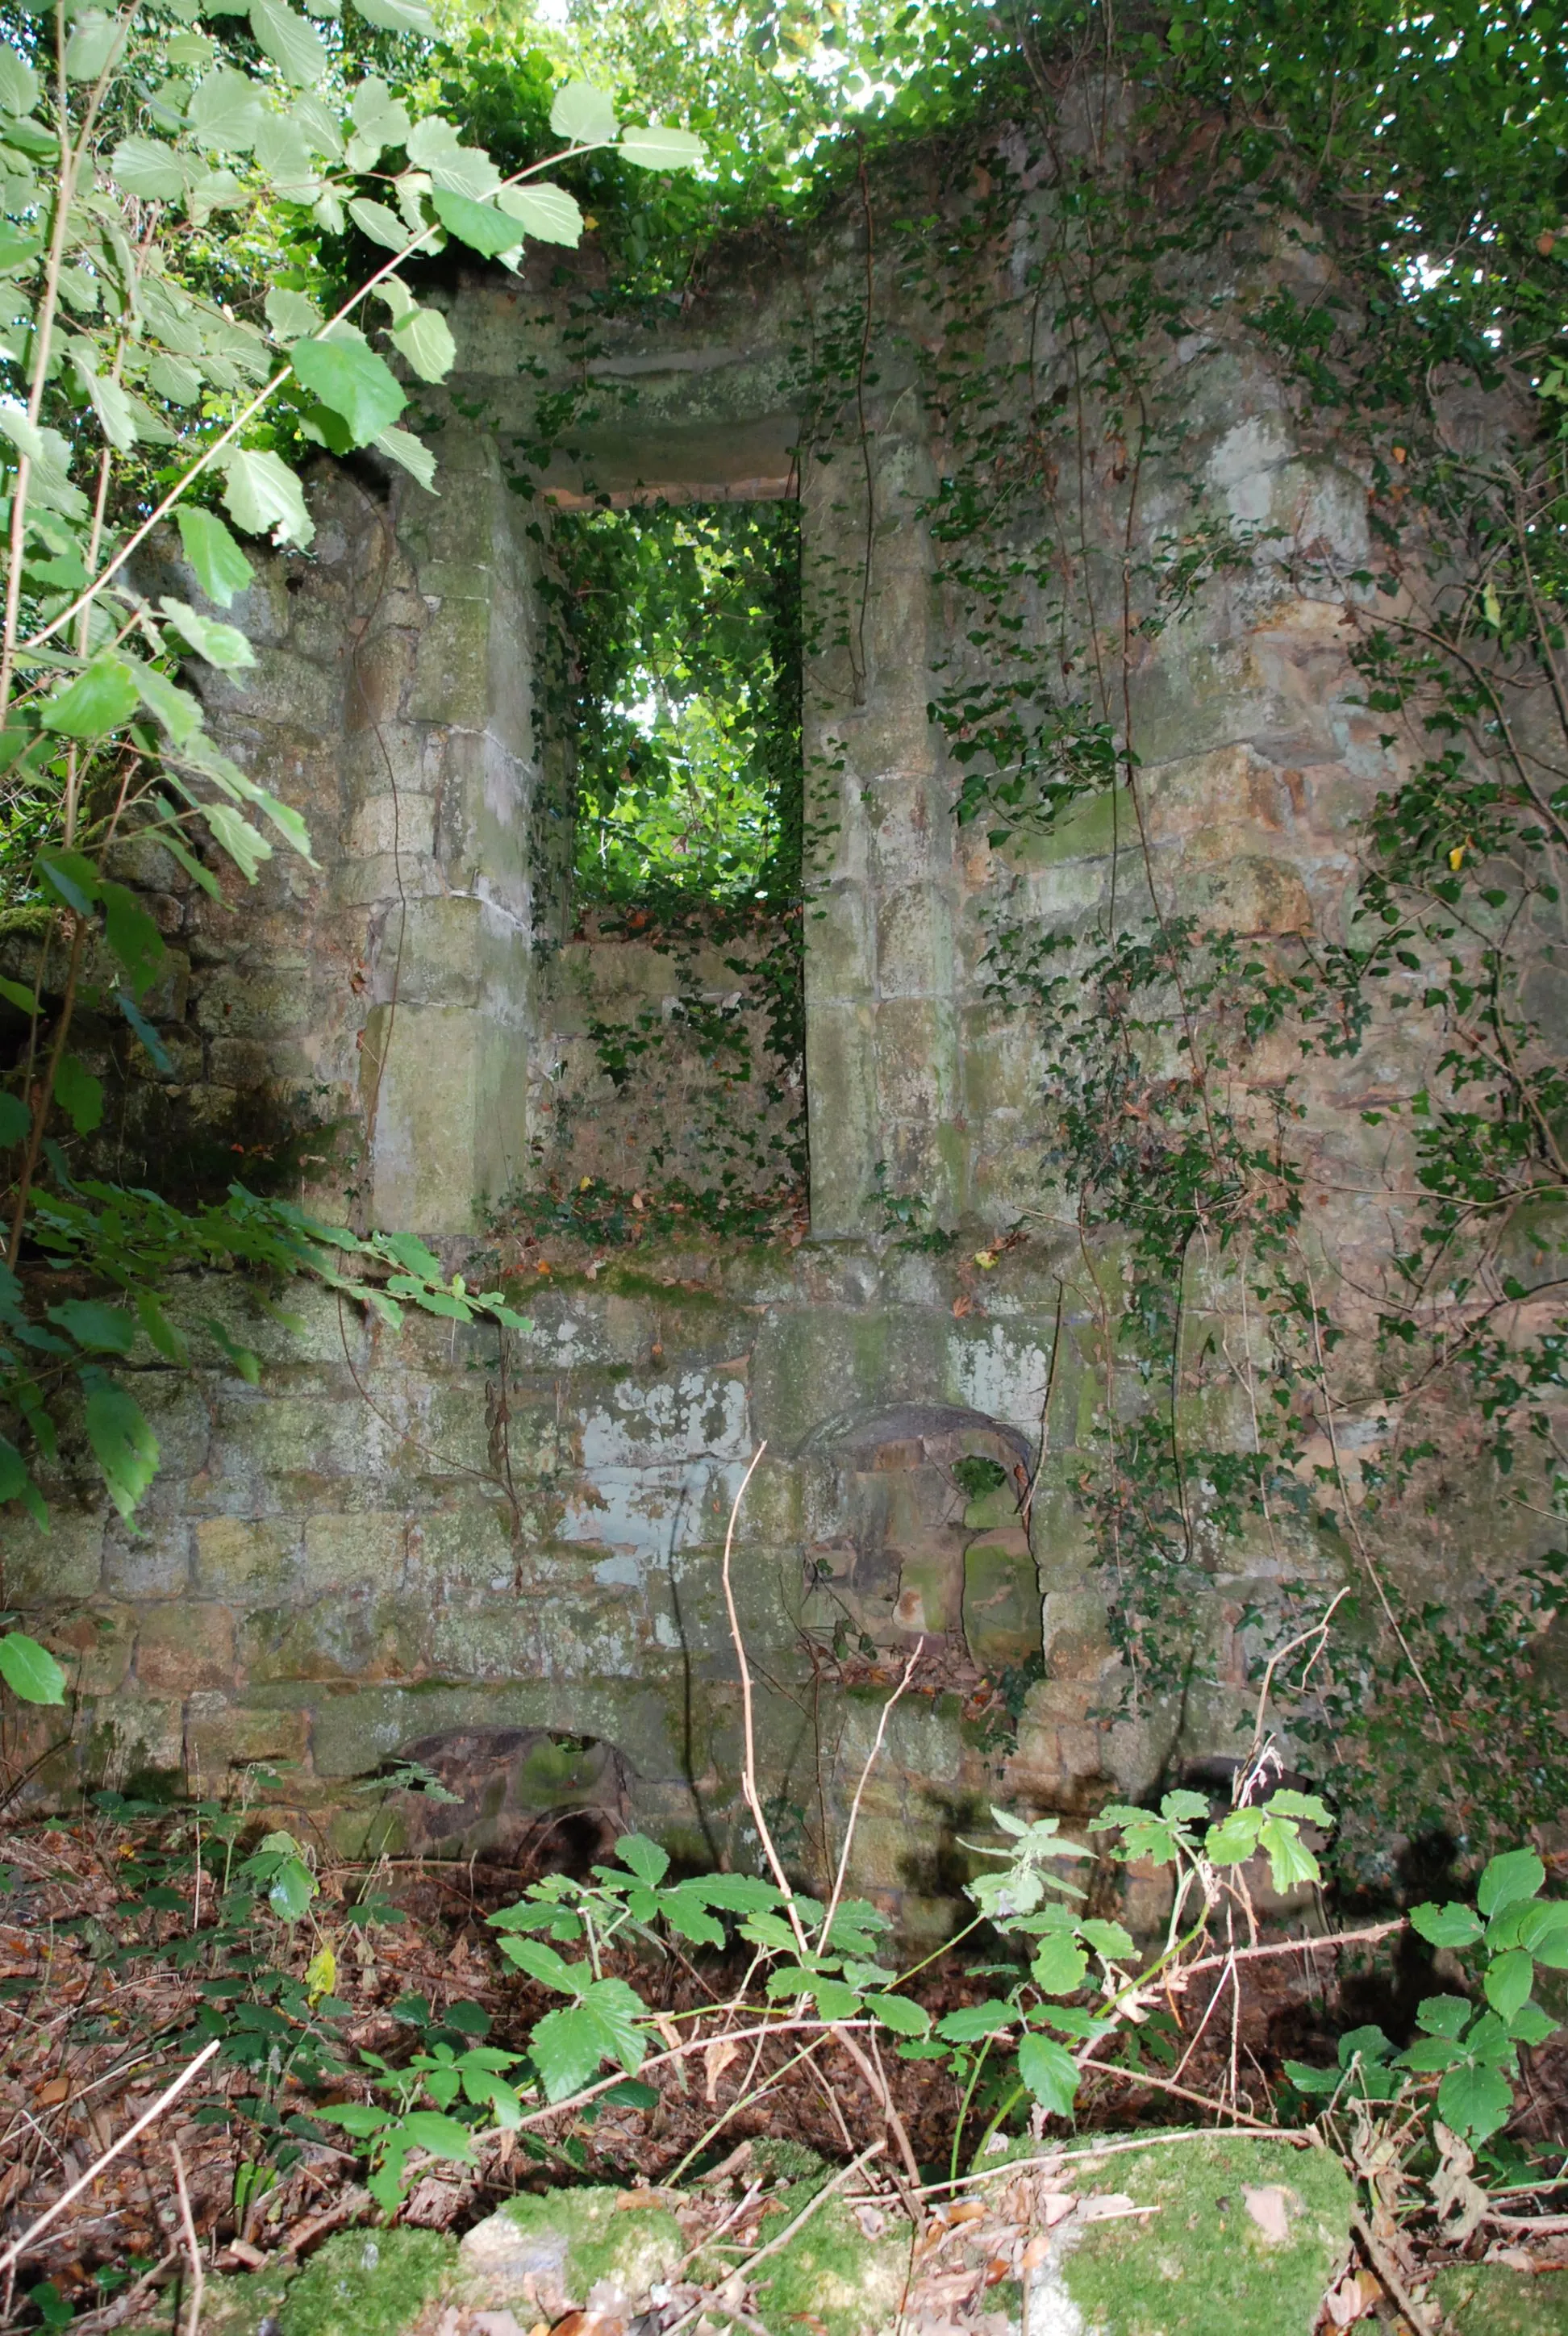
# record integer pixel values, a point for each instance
(109, 1972)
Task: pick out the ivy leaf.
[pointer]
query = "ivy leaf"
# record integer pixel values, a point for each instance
(1475, 2101)
(125, 1446)
(658, 149)
(1050, 2072)
(79, 1095)
(1452, 1925)
(102, 1330)
(30, 1671)
(546, 212)
(401, 447)
(352, 382)
(584, 114)
(296, 47)
(264, 497)
(102, 699)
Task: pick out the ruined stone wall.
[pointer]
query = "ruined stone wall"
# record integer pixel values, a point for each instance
(394, 1544)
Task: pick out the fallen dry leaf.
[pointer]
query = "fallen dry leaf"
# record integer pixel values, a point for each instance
(57, 2089)
(715, 2060)
(1352, 2299)
(1270, 2208)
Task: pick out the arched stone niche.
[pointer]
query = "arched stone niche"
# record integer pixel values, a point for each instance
(920, 1534)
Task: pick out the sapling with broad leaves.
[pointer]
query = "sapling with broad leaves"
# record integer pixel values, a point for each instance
(145, 156)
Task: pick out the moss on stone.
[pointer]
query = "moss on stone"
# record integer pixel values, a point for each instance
(1488, 2300)
(1203, 2265)
(607, 2238)
(368, 2283)
(238, 2306)
(829, 2272)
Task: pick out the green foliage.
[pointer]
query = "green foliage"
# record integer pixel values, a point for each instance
(127, 368)
(679, 689)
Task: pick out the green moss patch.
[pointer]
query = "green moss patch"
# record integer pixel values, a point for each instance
(1488, 2300)
(829, 2272)
(1204, 2264)
(368, 2283)
(606, 2239)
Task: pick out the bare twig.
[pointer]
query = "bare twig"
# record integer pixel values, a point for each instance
(192, 2243)
(871, 1758)
(1388, 2271)
(818, 2198)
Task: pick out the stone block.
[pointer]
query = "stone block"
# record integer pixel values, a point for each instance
(1001, 1601)
(94, 1645)
(336, 1637)
(64, 1563)
(151, 1563)
(258, 1557)
(468, 1548)
(342, 1552)
(1076, 1634)
(184, 1645)
(220, 1735)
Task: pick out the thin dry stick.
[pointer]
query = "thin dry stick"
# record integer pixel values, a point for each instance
(1181, 2092)
(1388, 2271)
(818, 2198)
(1295, 1947)
(18, 2247)
(871, 1758)
(192, 2243)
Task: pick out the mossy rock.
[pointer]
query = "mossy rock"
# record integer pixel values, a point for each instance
(829, 2272)
(367, 2284)
(1488, 2300)
(232, 2307)
(1204, 2265)
(569, 2247)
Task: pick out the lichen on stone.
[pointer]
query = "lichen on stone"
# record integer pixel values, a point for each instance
(595, 2248)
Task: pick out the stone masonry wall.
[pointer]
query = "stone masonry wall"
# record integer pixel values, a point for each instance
(396, 1542)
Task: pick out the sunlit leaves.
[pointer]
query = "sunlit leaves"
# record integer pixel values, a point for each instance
(295, 46)
(221, 568)
(101, 698)
(661, 148)
(148, 168)
(480, 226)
(350, 379)
(584, 114)
(546, 212)
(263, 496)
(123, 1443)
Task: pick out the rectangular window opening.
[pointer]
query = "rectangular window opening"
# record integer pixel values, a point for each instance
(676, 712)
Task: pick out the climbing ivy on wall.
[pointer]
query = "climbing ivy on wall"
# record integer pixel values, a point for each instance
(1272, 1395)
